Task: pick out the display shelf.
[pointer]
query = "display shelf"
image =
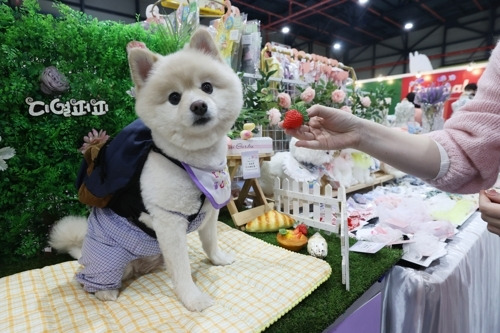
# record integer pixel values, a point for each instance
(380, 177)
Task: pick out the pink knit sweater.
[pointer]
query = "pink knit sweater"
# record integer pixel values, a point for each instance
(472, 137)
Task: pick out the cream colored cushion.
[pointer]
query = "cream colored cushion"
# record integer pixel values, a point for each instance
(264, 283)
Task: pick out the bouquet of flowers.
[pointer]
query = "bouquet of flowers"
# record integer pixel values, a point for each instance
(434, 93)
(431, 98)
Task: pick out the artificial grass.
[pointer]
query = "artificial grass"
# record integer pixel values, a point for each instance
(330, 300)
(313, 314)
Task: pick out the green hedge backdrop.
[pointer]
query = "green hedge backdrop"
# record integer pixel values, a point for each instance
(37, 188)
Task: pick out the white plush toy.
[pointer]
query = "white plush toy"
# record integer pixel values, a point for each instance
(341, 170)
(300, 164)
(361, 169)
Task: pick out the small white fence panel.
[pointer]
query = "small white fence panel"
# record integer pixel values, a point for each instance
(307, 205)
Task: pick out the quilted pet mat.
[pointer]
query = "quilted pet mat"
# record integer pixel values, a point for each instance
(250, 294)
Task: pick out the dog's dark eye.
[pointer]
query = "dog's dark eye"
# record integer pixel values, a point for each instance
(207, 87)
(174, 98)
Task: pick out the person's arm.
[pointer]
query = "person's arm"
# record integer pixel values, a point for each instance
(469, 144)
(471, 137)
(417, 155)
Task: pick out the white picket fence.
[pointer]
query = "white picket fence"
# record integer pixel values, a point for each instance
(307, 205)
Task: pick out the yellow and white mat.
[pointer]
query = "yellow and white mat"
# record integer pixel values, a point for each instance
(263, 284)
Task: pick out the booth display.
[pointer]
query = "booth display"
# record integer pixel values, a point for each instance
(294, 221)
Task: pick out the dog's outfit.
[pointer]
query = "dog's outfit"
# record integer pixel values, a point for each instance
(112, 241)
(115, 235)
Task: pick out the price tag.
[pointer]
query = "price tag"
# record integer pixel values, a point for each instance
(367, 247)
(250, 164)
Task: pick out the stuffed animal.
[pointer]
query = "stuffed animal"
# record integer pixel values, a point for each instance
(300, 164)
(340, 171)
(361, 170)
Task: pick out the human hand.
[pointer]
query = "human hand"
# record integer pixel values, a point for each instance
(328, 128)
(489, 205)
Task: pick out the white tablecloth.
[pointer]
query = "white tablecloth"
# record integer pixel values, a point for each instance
(458, 293)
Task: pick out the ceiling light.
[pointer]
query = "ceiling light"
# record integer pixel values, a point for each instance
(362, 2)
(285, 30)
(337, 46)
(408, 26)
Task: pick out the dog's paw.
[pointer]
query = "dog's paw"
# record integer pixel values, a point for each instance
(222, 258)
(107, 295)
(198, 301)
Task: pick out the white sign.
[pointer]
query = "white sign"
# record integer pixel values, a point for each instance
(250, 164)
(367, 247)
(68, 109)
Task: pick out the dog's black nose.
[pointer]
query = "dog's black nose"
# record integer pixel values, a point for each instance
(199, 108)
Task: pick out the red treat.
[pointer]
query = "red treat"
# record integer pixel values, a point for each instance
(302, 228)
(293, 119)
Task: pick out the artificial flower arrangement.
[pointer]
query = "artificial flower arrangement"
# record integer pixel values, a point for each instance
(431, 99)
(327, 93)
(263, 101)
(435, 92)
(372, 104)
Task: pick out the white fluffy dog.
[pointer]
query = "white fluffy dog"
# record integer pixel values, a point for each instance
(189, 100)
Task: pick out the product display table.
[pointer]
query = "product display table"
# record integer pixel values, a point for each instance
(458, 293)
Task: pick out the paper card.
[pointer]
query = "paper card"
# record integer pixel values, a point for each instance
(424, 261)
(250, 164)
(366, 247)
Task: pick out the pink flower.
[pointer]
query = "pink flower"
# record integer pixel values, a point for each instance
(274, 116)
(339, 75)
(93, 138)
(338, 96)
(365, 101)
(346, 108)
(284, 100)
(308, 95)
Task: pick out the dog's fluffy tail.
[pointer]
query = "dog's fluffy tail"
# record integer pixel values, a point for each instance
(67, 235)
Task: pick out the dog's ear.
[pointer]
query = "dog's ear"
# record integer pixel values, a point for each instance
(203, 41)
(140, 62)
